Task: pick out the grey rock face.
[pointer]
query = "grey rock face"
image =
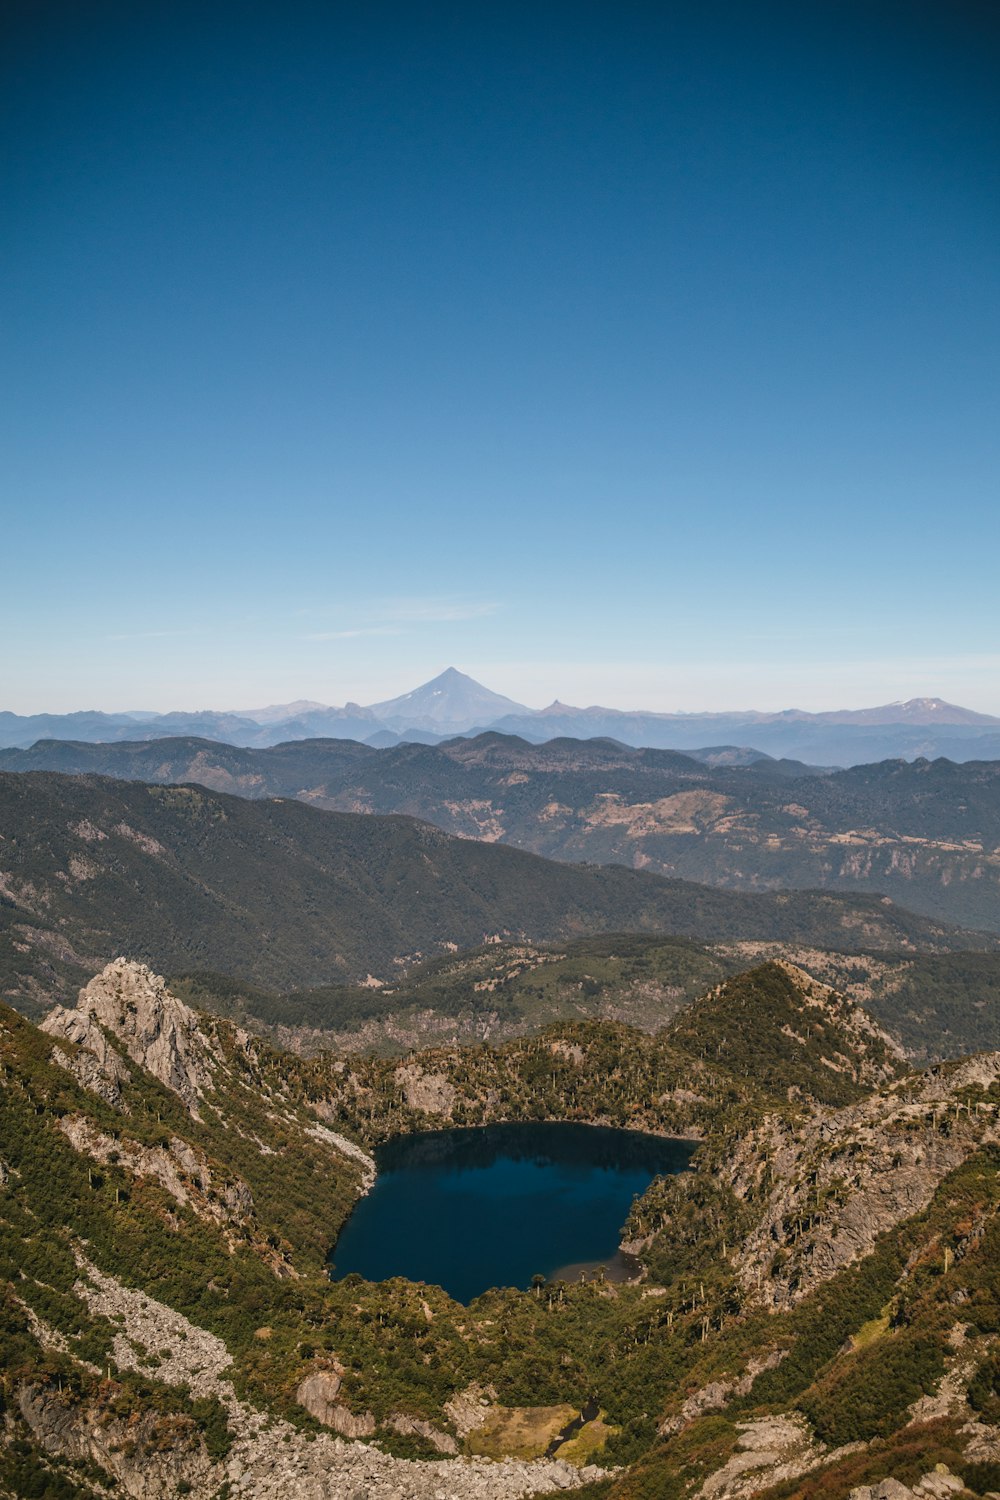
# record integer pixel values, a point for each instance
(406, 1425)
(134, 1449)
(158, 1032)
(177, 1167)
(318, 1393)
(96, 1065)
(842, 1177)
(430, 1092)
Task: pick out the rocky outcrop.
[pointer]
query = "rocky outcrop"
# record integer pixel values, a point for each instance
(346, 1148)
(982, 1442)
(831, 1184)
(408, 1426)
(94, 1063)
(775, 1450)
(938, 1484)
(151, 1457)
(352, 1424)
(318, 1393)
(950, 1397)
(157, 1031)
(718, 1393)
(470, 1408)
(429, 1092)
(177, 1167)
(769, 1451)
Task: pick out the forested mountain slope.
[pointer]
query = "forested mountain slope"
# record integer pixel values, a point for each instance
(286, 895)
(934, 1005)
(927, 833)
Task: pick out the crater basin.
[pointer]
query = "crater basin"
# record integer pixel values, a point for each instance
(497, 1205)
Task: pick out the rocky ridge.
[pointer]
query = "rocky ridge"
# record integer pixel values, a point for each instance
(158, 1031)
(827, 1187)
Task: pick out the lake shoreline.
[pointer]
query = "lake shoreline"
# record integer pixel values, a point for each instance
(621, 1269)
(512, 1204)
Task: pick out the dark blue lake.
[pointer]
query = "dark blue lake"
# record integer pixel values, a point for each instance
(498, 1204)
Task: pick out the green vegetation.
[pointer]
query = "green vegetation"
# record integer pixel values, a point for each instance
(935, 1005)
(869, 1399)
(854, 1390)
(512, 987)
(941, 1005)
(850, 1357)
(283, 896)
(923, 833)
(757, 1025)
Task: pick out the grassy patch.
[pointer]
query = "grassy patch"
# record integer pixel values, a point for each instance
(519, 1431)
(871, 1332)
(584, 1447)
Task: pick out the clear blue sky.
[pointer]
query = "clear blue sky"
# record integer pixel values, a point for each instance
(635, 353)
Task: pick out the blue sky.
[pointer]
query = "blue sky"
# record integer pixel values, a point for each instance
(636, 354)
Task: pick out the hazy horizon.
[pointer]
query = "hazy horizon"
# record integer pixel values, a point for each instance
(223, 704)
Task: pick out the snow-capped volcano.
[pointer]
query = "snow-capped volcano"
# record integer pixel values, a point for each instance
(449, 704)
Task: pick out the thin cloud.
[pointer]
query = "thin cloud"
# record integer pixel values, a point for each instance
(350, 635)
(148, 635)
(390, 617)
(438, 611)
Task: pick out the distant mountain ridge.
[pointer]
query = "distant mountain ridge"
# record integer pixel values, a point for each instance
(927, 833)
(454, 704)
(289, 896)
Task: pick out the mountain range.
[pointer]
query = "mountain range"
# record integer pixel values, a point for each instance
(925, 833)
(815, 1310)
(453, 704)
(281, 894)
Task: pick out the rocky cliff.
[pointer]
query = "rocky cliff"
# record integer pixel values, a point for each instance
(156, 1030)
(825, 1188)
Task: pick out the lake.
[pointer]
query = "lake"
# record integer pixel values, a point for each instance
(496, 1205)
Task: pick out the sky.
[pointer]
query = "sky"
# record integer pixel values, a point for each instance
(641, 354)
